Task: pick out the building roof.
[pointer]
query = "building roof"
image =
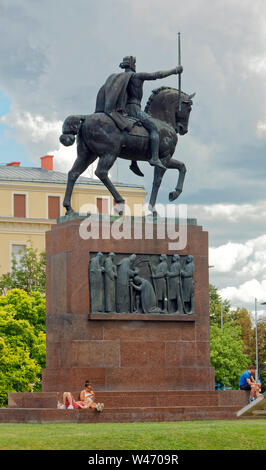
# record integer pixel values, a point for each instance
(40, 175)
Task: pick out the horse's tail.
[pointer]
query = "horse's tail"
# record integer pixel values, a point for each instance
(70, 129)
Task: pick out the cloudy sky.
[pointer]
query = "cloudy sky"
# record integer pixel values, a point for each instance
(55, 55)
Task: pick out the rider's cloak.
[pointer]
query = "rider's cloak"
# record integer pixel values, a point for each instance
(112, 98)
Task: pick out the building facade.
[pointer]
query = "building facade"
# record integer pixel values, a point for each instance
(31, 200)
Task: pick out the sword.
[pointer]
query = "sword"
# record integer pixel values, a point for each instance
(179, 75)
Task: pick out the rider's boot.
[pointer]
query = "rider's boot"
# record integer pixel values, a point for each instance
(155, 161)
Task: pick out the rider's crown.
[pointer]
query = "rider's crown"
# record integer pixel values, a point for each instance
(128, 61)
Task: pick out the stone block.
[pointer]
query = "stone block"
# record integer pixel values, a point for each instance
(142, 354)
(95, 354)
(139, 331)
(84, 330)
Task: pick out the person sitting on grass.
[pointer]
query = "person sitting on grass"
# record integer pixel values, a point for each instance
(247, 382)
(86, 400)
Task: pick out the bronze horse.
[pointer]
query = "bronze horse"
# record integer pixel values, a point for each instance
(98, 136)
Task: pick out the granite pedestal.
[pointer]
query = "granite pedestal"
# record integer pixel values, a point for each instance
(122, 351)
(145, 367)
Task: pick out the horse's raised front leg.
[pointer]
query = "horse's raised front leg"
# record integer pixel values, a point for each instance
(157, 179)
(177, 165)
(105, 163)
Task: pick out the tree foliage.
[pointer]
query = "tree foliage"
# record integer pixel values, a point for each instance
(242, 318)
(227, 355)
(22, 342)
(218, 307)
(227, 348)
(28, 274)
(236, 320)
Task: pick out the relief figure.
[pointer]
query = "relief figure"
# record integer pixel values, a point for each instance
(97, 283)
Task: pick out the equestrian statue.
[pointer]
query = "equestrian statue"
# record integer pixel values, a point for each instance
(120, 128)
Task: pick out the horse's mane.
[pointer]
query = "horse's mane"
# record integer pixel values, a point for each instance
(156, 92)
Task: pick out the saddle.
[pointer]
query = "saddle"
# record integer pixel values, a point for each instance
(124, 122)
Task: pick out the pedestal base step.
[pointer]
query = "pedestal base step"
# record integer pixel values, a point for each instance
(136, 398)
(168, 405)
(118, 415)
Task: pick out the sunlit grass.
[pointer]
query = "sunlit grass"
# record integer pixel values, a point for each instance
(186, 435)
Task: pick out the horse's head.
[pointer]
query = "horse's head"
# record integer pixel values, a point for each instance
(163, 104)
(182, 115)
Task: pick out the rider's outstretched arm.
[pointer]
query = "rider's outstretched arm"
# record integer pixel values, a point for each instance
(157, 75)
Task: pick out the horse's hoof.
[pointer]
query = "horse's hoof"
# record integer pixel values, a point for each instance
(153, 211)
(69, 211)
(119, 208)
(174, 195)
(153, 214)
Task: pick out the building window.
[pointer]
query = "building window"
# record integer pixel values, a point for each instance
(19, 202)
(17, 252)
(102, 205)
(53, 207)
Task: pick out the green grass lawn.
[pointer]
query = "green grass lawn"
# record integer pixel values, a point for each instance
(186, 435)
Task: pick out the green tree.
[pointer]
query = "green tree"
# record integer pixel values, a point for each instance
(242, 318)
(227, 355)
(261, 351)
(262, 342)
(25, 306)
(263, 377)
(218, 306)
(22, 342)
(28, 274)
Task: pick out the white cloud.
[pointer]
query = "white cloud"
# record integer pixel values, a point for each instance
(261, 129)
(247, 259)
(257, 65)
(225, 257)
(33, 131)
(34, 128)
(245, 293)
(232, 213)
(242, 269)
